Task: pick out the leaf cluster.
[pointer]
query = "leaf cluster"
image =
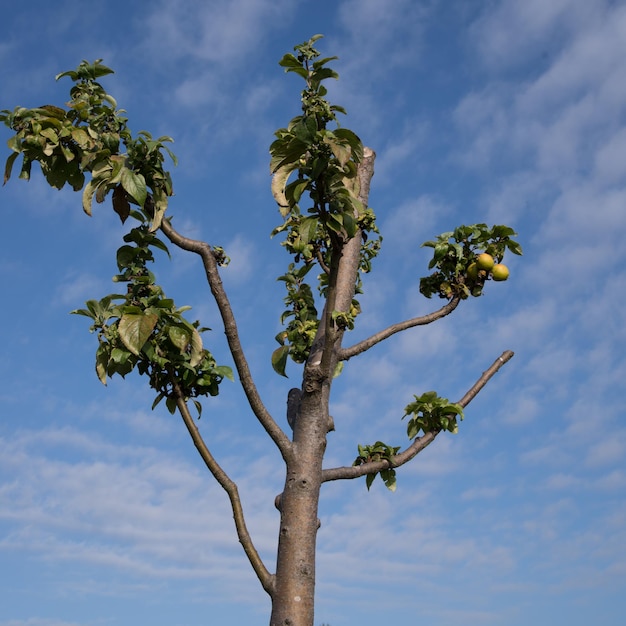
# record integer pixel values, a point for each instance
(144, 329)
(87, 138)
(324, 162)
(428, 413)
(453, 254)
(303, 321)
(378, 451)
(432, 413)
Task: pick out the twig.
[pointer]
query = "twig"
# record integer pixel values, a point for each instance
(347, 353)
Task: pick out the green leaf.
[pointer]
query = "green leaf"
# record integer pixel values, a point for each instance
(135, 186)
(196, 348)
(389, 478)
(180, 337)
(369, 479)
(294, 190)
(412, 429)
(279, 360)
(157, 243)
(353, 140)
(340, 151)
(307, 229)
(119, 356)
(349, 224)
(9, 166)
(88, 192)
(50, 134)
(514, 247)
(157, 400)
(338, 369)
(170, 403)
(289, 60)
(135, 329)
(81, 137)
(279, 181)
(102, 361)
(125, 256)
(26, 167)
(84, 312)
(225, 372)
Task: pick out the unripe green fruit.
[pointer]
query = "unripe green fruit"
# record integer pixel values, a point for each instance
(485, 261)
(472, 271)
(500, 272)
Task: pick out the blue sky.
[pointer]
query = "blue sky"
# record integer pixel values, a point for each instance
(497, 111)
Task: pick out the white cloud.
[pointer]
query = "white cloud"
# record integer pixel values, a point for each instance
(512, 498)
(481, 493)
(389, 31)
(138, 511)
(77, 288)
(609, 160)
(218, 32)
(514, 32)
(608, 451)
(243, 260)
(405, 225)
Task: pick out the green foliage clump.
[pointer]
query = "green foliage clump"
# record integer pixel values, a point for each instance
(378, 451)
(428, 413)
(86, 138)
(431, 413)
(144, 329)
(456, 251)
(325, 162)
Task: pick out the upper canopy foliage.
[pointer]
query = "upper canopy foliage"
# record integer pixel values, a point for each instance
(314, 163)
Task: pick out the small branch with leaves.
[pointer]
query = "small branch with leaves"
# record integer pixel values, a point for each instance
(431, 414)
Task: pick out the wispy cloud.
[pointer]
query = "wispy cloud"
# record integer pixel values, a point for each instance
(528, 129)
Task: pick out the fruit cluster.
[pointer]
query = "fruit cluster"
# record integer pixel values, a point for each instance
(485, 265)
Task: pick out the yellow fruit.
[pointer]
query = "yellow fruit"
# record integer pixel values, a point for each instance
(500, 272)
(472, 271)
(485, 261)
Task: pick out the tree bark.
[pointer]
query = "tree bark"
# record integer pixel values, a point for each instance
(293, 595)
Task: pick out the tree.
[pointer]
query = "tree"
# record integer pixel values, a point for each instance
(321, 175)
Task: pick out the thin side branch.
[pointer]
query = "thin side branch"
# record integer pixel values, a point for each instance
(214, 280)
(355, 471)
(264, 576)
(347, 353)
(322, 264)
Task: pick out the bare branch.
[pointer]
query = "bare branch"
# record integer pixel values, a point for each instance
(506, 356)
(347, 353)
(205, 252)
(266, 579)
(339, 473)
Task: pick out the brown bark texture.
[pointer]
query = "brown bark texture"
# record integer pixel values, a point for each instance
(293, 596)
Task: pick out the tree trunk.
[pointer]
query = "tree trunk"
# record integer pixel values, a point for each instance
(294, 591)
(293, 596)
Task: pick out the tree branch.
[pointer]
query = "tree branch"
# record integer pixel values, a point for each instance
(267, 579)
(214, 280)
(355, 471)
(347, 353)
(342, 279)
